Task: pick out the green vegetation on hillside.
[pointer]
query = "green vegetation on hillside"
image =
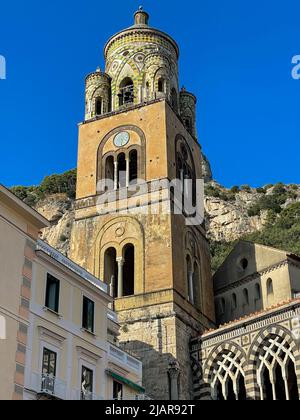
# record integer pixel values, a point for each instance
(282, 232)
(219, 192)
(55, 184)
(273, 201)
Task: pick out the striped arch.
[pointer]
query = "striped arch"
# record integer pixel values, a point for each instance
(278, 338)
(226, 364)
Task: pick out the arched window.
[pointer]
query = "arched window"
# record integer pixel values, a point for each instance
(222, 306)
(270, 292)
(129, 270)
(126, 94)
(276, 371)
(122, 170)
(111, 270)
(133, 167)
(257, 292)
(246, 297)
(233, 302)
(228, 377)
(186, 174)
(270, 289)
(109, 168)
(190, 279)
(197, 286)
(98, 107)
(161, 85)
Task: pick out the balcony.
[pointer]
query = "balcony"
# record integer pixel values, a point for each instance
(87, 396)
(119, 355)
(112, 316)
(140, 397)
(48, 387)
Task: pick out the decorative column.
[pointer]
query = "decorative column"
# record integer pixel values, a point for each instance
(116, 175)
(120, 262)
(174, 372)
(127, 171)
(112, 286)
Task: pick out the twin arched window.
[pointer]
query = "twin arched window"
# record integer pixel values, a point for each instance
(119, 273)
(186, 174)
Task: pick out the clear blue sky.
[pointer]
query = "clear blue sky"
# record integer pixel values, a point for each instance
(235, 56)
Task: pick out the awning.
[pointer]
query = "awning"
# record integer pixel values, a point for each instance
(125, 381)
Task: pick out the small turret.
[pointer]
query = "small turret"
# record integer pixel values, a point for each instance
(188, 103)
(97, 94)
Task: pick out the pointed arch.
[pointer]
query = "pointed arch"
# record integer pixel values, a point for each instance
(272, 357)
(225, 370)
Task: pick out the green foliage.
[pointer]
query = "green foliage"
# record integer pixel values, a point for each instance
(235, 189)
(261, 190)
(218, 192)
(284, 233)
(55, 184)
(246, 188)
(219, 252)
(274, 201)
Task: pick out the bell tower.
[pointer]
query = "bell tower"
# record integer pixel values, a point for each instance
(139, 134)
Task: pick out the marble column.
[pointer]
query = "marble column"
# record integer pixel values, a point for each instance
(120, 262)
(127, 171)
(174, 372)
(116, 175)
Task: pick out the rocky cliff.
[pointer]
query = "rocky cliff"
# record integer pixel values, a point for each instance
(269, 215)
(230, 214)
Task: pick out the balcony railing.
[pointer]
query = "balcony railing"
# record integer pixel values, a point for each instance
(125, 358)
(53, 388)
(48, 385)
(112, 315)
(88, 396)
(140, 397)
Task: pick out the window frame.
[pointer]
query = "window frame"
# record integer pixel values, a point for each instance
(92, 371)
(86, 327)
(115, 382)
(55, 280)
(50, 351)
